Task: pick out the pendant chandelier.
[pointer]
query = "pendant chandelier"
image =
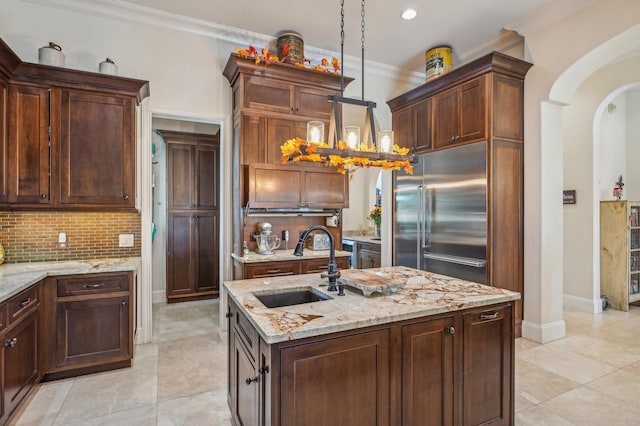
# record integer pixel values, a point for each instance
(344, 148)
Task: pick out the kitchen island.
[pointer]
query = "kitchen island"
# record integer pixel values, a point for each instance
(438, 350)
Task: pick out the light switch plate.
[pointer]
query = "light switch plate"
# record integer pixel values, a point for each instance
(126, 240)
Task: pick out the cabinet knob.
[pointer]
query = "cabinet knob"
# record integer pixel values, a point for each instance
(263, 370)
(249, 380)
(11, 342)
(229, 314)
(126, 197)
(450, 330)
(43, 196)
(453, 138)
(124, 303)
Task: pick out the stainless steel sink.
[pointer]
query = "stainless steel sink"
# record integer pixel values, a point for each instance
(290, 297)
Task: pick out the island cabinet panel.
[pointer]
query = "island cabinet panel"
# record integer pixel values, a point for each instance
(350, 377)
(487, 384)
(290, 267)
(427, 373)
(369, 255)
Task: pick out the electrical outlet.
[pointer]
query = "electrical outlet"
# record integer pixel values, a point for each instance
(126, 240)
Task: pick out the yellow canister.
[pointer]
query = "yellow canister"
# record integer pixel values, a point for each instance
(438, 61)
(290, 48)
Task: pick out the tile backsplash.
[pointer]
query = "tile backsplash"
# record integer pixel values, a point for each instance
(31, 236)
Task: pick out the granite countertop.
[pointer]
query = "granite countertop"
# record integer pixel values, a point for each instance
(424, 294)
(15, 277)
(363, 238)
(283, 255)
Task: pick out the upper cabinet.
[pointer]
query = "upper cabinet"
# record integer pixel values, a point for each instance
(70, 138)
(478, 101)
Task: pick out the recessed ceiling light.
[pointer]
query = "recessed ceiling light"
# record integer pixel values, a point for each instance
(409, 14)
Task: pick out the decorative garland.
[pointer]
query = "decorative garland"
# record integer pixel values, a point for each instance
(300, 150)
(265, 56)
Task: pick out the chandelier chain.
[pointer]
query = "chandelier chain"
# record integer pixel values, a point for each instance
(342, 47)
(362, 43)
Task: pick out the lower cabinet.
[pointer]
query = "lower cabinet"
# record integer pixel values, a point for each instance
(88, 324)
(369, 255)
(447, 369)
(19, 350)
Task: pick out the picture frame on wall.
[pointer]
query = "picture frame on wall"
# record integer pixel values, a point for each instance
(569, 196)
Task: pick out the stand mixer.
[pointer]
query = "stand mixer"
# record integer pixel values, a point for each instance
(267, 242)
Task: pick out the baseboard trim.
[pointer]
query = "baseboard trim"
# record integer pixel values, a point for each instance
(582, 304)
(544, 333)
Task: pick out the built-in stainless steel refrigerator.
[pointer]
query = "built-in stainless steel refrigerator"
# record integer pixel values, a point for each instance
(440, 216)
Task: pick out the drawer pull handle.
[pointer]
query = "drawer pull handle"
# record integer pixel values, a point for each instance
(25, 302)
(273, 271)
(249, 380)
(489, 317)
(100, 285)
(11, 343)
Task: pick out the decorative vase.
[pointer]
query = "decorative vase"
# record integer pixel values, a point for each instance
(377, 230)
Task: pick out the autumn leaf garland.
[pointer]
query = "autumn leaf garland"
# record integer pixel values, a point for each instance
(265, 56)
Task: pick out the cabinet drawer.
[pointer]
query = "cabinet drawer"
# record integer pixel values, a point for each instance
(275, 269)
(320, 265)
(372, 247)
(246, 332)
(22, 303)
(90, 284)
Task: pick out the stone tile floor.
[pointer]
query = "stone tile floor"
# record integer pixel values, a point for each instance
(591, 377)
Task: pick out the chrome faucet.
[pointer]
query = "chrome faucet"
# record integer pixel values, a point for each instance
(332, 269)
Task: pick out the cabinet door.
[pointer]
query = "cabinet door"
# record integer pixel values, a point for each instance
(487, 392)
(29, 145)
(180, 176)
(245, 407)
(268, 94)
(206, 252)
(472, 125)
(92, 330)
(445, 116)
(320, 265)
(403, 128)
(254, 132)
(180, 254)
(325, 188)
(422, 117)
(4, 139)
(272, 186)
(354, 367)
(97, 150)
(313, 103)
(207, 158)
(278, 132)
(368, 259)
(427, 373)
(20, 362)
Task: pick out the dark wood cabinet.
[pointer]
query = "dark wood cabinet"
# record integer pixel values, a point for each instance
(290, 267)
(192, 255)
(488, 357)
(29, 149)
(97, 149)
(4, 140)
(19, 353)
(428, 372)
(369, 255)
(284, 186)
(448, 369)
(483, 100)
(193, 162)
(68, 137)
(356, 367)
(459, 114)
(87, 323)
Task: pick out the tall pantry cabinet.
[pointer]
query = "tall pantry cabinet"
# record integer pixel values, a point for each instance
(192, 215)
(620, 252)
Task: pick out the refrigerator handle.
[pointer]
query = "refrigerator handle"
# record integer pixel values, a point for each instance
(428, 208)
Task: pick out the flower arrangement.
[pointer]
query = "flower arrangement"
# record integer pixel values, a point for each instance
(265, 56)
(299, 150)
(376, 215)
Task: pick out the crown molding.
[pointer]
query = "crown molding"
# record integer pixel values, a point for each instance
(123, 11)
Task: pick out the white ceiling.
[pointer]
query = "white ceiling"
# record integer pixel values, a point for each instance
(463, 24)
